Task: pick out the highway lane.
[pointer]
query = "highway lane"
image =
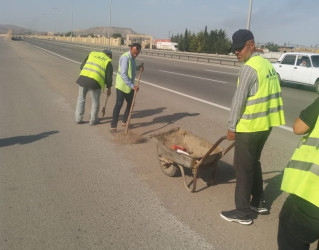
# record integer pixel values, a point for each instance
(208, 82)
(64, 186)
(202, 81)
(75, 188)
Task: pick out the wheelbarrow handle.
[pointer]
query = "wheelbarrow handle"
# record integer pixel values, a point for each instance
(227, 149)
(211, 150)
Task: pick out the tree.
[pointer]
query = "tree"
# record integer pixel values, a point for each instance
(203, 42)
(193, 43)
(185, 41)
(69, 34)
(116, 35)
(272, 47)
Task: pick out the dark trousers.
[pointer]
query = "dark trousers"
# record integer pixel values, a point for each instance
(249, 181)
(120, 97)
(298, 224)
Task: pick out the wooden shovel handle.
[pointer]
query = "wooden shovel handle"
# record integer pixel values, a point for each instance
(133, 101)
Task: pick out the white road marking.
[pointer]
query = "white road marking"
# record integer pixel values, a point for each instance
(197, 77)
(214, 71)
(188, 96)
(53, 53)
(166, 89)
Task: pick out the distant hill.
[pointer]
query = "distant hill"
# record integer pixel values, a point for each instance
(16, 30)
(104, 31)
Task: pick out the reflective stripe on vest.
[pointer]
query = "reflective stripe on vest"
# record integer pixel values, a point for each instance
(95, 67)
(301, 176)
(120, 84)
(265, 108)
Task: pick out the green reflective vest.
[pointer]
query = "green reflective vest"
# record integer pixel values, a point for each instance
(265, 109)
(120, 84)
(95, 67)
(301, 176)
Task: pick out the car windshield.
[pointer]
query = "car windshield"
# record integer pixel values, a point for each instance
(315, 61)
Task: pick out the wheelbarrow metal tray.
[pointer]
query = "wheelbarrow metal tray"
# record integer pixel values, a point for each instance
(195, 146)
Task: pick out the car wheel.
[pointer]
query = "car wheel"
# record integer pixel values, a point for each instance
(317, 86)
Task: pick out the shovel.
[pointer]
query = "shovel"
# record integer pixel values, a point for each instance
(133, 101)
(103, 109)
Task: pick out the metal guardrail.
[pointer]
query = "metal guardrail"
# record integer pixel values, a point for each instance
(227, 60)
(195, 57)
(185, 56)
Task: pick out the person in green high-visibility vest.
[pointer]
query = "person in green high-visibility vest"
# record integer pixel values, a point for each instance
(124, 84)
(299, 216)
(256, 107)
(96, 73)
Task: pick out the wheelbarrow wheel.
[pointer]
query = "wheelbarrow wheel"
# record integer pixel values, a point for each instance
(170, 169)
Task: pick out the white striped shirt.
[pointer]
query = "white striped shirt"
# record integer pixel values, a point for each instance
(247, 86)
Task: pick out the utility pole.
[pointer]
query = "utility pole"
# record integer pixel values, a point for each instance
(72, 23)
(54, 9)
(249, 14)
(110, 23)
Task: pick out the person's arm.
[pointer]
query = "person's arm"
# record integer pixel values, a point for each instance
(124, 62)
(109, 75)
(248, 85)
(109, 78)
(307, 119)
(83, 63)
(300, 127)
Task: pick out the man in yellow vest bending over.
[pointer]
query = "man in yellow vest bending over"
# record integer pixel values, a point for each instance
(96, 72)
(256, 108)
(299, 216)
(125, 84)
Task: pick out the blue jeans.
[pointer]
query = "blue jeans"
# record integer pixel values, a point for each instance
(80, 106)
(120, 96)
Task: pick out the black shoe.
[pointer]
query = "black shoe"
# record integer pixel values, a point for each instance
(260, 207)
(79, 122)
(236, 216)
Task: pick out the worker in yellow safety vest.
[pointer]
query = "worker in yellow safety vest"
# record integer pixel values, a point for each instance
(299, 216)
(96, 73)
(124, 85)
(256, 107)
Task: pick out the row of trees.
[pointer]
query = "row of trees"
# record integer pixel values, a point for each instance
(215, 41)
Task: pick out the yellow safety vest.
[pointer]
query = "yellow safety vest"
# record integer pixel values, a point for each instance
(301, 176)
(95, 67)
(120, 84)
(265, 109)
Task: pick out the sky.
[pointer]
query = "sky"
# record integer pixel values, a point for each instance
(283, 22)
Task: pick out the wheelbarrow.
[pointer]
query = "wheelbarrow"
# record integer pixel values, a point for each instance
(178, 149)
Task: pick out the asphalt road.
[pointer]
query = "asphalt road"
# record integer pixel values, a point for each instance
(69, 186)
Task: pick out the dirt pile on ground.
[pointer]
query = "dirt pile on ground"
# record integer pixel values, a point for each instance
(129, 138)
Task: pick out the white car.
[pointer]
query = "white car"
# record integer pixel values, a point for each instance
(299, 68)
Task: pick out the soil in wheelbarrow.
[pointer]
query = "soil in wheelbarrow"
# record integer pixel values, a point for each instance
(197, 147)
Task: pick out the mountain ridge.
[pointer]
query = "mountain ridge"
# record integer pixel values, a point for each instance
(98, 30)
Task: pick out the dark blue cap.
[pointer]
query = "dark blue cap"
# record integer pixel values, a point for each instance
(108, 52)
(240, 37)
